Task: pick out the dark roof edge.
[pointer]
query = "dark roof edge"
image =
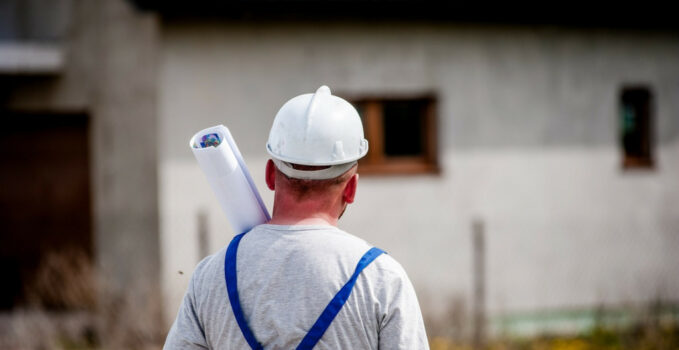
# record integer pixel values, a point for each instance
(649, 16)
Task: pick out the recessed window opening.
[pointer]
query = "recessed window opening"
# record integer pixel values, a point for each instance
(46, 242)
(636, 127)
(401, 133)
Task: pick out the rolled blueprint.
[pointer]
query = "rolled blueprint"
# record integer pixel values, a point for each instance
(223, 165)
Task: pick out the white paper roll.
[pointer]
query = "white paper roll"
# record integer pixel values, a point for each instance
(223, 165)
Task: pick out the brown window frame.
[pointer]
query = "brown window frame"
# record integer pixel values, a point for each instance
(377, 162)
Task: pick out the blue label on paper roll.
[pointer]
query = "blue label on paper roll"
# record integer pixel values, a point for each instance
(210, 140)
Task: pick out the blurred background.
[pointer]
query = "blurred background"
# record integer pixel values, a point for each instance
(524, 161)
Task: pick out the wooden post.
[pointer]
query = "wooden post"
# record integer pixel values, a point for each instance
(479, 278)
(203, 244)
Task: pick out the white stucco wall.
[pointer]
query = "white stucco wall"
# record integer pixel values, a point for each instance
(528, 142)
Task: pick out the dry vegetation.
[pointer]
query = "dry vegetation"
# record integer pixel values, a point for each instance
(653, 328)
(70, 306)
(642, 338)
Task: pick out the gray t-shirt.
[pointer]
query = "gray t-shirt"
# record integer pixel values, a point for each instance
(286, 277)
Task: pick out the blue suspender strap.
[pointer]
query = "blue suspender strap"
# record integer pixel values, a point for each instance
(323, 321)
(232, 290)
(334, 307)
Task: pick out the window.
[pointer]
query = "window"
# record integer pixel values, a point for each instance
(401, 133)
(636, 127)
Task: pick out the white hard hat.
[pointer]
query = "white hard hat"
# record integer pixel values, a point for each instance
(317, 129)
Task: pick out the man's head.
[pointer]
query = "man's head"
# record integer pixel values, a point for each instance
(329, 195)
(315, 142)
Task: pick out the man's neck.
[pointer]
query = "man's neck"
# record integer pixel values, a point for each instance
(278, 220)
(288, 211)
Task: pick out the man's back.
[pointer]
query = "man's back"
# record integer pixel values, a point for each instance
(286, 277)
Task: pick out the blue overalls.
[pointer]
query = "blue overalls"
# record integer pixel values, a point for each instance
(323, 321)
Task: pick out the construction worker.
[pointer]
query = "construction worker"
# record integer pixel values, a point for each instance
(298, 281)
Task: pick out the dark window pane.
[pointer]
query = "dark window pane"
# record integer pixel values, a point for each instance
(635, 122)
(403, 127)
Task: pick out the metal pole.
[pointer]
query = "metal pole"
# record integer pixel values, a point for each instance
(479, 278)
(203, 244)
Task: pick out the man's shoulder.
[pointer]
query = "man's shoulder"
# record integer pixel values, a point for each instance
(389, 268)
(385, 262)
(209, 267)
(385, 265)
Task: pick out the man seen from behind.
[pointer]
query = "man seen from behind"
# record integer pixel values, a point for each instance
(298, 281)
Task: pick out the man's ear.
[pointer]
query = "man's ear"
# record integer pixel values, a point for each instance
(350, 189)
(271, 175)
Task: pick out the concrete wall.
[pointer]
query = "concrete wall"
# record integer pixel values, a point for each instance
(110, 74)
(35, 20)
(528, 142)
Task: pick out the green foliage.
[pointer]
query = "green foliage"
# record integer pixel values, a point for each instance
(638, 337)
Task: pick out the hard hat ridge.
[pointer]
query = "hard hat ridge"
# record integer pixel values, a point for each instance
(317, 129)
(321, 92)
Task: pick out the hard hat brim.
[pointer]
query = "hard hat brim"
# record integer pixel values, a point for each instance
(362, 153)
